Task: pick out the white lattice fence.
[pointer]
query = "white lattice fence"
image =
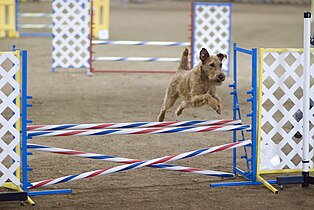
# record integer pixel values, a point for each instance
(71, 33)
(211, 30)
(281, 96)
(9, 118)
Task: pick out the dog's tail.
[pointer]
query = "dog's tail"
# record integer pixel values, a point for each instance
(184, 61)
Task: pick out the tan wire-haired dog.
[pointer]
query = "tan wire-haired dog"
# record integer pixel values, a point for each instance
(197, 86)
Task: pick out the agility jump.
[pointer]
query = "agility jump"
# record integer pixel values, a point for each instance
(210, 26)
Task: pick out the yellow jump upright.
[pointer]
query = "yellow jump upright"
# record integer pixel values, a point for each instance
(101, 19)
(7, 19)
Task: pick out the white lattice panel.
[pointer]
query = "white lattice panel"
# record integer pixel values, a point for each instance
(71, 32)
(212, 24)
(10, 115)
(282, 96)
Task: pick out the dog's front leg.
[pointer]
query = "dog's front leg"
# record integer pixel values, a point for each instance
(220, 107)
(197, 101)
(214, 103)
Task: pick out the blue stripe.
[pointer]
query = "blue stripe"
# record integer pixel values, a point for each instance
(176, 130)
(195, 153)
(132, 166)
(102, 157)
(36, 146)
(69, 178)
(134, 125)
(38, 133)
(106, 132)
(192, 122)
(141, 43)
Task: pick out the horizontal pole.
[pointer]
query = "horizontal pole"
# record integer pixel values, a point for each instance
(150, 43)
(153, 130)
(31, 34)
(35, 15)
(116, 159)
(135, 71)
(50, 192)
(34, 26)
(131, 125)
(141, 59)
(125, 167)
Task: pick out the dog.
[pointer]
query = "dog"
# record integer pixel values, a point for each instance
(196, 86)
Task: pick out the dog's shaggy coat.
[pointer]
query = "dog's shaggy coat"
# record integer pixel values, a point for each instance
(197, 86)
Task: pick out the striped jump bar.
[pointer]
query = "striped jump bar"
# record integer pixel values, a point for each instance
(37, 26)
(125, 167)
(116, 159)
(151, 43)
(153, 130)
(35, 15)
(140, 59)
(131, 125)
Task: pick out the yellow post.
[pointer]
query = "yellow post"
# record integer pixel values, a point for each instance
(312, 9)
(101, 19)
(7, 18)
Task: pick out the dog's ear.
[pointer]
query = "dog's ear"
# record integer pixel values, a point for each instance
(221, 56)
(204, 55)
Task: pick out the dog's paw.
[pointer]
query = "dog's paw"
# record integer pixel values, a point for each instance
(219, 109)
(216, 106)
(179, 112)
(161, 117)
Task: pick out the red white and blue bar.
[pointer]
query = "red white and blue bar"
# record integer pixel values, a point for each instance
(150, 43)
(153, 130)
(131, 125)
(139, 59)
(116, 159)
(125, 167)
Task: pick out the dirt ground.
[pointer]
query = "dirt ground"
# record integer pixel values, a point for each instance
(69, 96)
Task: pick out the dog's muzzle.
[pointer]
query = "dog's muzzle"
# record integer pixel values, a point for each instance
(220, 77)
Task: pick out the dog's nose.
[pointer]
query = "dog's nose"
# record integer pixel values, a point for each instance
(221, 76)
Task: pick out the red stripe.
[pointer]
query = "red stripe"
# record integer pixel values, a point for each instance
(223, 122)
(163, 160)
(29, 128)
(71, 153)
(102, 126)
(70, 133)
(164, 124)
(41, 183)
(130, 161)
(226, 147)
(149, 130)
(211, 128)
(97, 173)
(189, 170)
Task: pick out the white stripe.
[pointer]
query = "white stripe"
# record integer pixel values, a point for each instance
(155, 43)
(35, 15)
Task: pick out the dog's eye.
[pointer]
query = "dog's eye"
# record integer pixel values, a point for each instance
(212, 65)
(221, 65)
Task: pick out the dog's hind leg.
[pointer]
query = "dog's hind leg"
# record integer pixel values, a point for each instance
(169, 100)
(184, 61)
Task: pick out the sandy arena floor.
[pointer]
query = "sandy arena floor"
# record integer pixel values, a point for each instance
(69, 96)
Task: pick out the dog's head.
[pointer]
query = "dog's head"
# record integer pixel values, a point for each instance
(211, 66)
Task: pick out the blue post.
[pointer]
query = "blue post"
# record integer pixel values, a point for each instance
(235, 105)
(24, 121)
(254, 114)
